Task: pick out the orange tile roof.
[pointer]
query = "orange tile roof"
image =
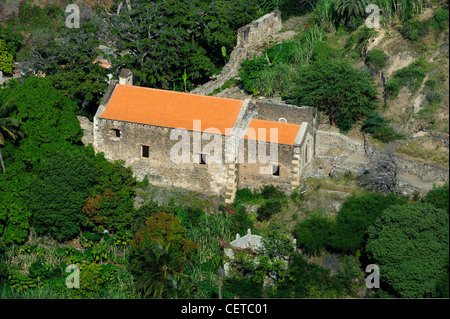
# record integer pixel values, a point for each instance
(171, 109)
(103, 63)
(286, 133)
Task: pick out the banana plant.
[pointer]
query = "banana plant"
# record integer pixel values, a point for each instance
(224, 54)
(185, 76)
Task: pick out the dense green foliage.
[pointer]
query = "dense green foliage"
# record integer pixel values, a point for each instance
(376, 58)
(386, 134)
(373, 121)
(6, 58)
(356, 214)
(313, 234)
(56, 194)
(410, 244)
(336, 88)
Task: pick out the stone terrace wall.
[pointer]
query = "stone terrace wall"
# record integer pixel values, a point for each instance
(249, 36)
(423, 174)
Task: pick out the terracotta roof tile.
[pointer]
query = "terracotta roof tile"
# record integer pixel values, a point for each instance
(286, 133)
(171, 109)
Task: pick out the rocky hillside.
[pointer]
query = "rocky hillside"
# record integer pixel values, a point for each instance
(419, 110)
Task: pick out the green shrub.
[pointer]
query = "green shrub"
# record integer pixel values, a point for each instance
(243, 287)
(359, 40)
(57, 196)
(313, 233)
(270, 192)
(22, 282)
(373, 121)
(250, 71)
(410, 241)
(438, 196)
(322, 51)
(4, 271)
(411, 76)
(245, 195)
(440, 19)
(268, 209)
(191, 217)
(387, 134)
(414, 29)
(376, 58)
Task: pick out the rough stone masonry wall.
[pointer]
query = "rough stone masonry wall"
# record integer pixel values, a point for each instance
(336, 153)
(291, 159)
(249, 36)
(273, 111)
(250, 176)
(426, 174)
(159, 168)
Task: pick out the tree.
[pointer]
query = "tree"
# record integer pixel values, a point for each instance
(313, 233)
(166, 228)
(6, 58)
(164, 273)
(357, 213)
(58, 192)
(410, 245)
(13, 39)
(336, 88)
(47, 118)
(438, 196)
(157, 39)
(273, 256)
(67, 58)
(8, 126)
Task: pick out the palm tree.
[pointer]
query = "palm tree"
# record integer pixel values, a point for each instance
(349, 9)
(8, 126)
(165, 276)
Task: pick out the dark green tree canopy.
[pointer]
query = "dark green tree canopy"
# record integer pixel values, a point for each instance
(410, 245)
(333, 86)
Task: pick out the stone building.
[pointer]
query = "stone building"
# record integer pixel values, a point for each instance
(204, 143)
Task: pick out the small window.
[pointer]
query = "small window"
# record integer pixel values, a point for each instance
(202, 159)
(145, 151)
(116, 132)
(275, 170)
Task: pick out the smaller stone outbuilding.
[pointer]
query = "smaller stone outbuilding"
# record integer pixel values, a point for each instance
(247, 241)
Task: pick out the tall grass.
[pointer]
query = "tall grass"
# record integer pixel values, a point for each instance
(279, 76)
(404, 9)
(324, 15)
(208, 234)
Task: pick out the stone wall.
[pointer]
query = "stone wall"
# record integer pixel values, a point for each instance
(413, 175)
(282, 112)
(88, 130)
(336, 154)
(293, 161)
(159, 167)
(336, 144)
(248, 37)
(257, 31)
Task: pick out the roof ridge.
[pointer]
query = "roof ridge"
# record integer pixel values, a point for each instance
(178, 92)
